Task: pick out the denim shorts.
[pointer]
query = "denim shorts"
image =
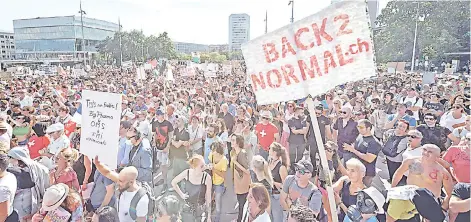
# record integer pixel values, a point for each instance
(219, 188)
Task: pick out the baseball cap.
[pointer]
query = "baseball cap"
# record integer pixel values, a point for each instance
(159, 112)
(54, 196)
(55, 127)
(305, 165)
(266, 114)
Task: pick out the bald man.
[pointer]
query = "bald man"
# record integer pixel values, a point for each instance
(128, 187)
(426, 172)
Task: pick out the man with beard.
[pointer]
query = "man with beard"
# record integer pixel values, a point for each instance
(211, 137)
(128, 188)
(163, 131)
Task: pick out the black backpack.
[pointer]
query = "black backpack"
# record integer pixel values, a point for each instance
(390, 147)
(145, 189)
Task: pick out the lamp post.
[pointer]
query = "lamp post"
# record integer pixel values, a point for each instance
(415, 38)
(82, 12)
(291, 2)
(266, 22)
(120, 44)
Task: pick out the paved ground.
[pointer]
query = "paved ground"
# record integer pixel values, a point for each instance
(229, 210)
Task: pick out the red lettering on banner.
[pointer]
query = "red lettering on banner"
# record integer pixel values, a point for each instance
(318, 33)
(258, 81)
(342, 30)
(361, 43)
(340, 55)
(278, 76)
(350, 49)
(329, 61)
(297, 39)
(288, 72)
(286, 46)
(314, 68)
(271, 54)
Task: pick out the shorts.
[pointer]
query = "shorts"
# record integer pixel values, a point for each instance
(162, 157)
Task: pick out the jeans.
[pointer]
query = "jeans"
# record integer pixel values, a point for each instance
(218, 193)
(276, 209)
(263, 153)
(392, 167)
(296, 152)
(241, 199)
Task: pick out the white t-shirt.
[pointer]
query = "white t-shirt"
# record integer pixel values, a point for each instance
(411, 102)
(288, 116)
(195, 134)
(409, 153)
(125, 203)
(8, 190)
(265, 217)
(448, 121)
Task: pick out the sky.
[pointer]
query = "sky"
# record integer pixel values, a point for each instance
(195, 21)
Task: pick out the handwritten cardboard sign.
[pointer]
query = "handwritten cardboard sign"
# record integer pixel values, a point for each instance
(101, 113)
(312, 55)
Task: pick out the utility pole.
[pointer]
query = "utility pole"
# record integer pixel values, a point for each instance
(266, 22)
(415, 38)
(291, 2)
(120, 44)
(82, 12)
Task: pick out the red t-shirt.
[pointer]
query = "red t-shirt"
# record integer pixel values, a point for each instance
(69, 127)
(266, 134)
(37, 143)
(460, 162)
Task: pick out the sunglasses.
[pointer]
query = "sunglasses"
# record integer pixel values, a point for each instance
(361, 127)
(431, 119)
(343, 112)
(412, 136)
(328, 150)
(302, 171)
(130, 137)
(265, 118)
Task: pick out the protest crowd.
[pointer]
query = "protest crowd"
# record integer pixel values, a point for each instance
(195, 136)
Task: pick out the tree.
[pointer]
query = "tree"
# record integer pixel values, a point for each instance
(137, 47)
(443, 27)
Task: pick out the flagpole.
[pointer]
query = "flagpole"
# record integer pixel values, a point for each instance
(266, 21)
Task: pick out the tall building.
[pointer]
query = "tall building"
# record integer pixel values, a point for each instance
(239, 31)
(60, 38)
(7, 46)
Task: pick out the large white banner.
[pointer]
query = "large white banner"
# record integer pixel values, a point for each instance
(101, 113)
(312, 55)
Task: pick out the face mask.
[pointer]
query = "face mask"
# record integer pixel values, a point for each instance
(364, 205)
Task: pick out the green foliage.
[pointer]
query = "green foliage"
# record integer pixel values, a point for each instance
(443, 27)
(137, 47)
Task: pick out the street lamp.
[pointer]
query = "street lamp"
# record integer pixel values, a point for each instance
(82, 12)
(415, 38)
(291, 2)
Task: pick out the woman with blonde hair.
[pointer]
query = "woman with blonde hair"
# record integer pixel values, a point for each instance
(196, 190)
(279, 165)
(257, 206)
(64, 173)
(261, 173)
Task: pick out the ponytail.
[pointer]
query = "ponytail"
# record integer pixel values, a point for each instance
(281, 152)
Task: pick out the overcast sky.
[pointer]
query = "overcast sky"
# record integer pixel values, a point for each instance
(197, 21)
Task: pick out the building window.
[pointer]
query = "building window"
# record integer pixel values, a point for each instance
(12, 46)
(2, 36)
(11, 37)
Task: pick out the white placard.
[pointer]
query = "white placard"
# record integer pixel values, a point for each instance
(312, 55)
(391, 70)
(428, 78)
(227, 69)
(101, 114)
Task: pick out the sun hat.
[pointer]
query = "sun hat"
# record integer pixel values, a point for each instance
(55, 128)
(377, 197)
(54, 196)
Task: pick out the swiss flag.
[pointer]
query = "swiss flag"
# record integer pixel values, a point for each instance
(69, 127)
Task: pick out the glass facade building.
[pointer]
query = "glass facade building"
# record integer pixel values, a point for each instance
(60, 35)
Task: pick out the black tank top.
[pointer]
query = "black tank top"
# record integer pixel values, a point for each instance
(276, 176)
(347, 198)
(79, 168)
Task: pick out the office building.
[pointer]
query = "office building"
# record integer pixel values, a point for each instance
(60, 38)
(239, 31)
(188, 48)
(7, 45)
(219, 48)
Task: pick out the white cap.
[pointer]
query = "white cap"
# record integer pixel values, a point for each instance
(55, 127)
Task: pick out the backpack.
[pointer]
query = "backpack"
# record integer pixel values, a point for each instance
(145, 189)
(390, 147)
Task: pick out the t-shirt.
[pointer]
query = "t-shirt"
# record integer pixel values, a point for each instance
(460, 162)
(35, 144)
(302, 195)
(161, 131)
(364, 145)
(462, 191)
(8, 188)
(435, 135)
(411, 102)
(125, 202)
(266, 134)
(221, 166)
(180, 152)
(448, 121)
(434, 106)
(460, 132)
(296, 124)
(323, 122)
(99, 190)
